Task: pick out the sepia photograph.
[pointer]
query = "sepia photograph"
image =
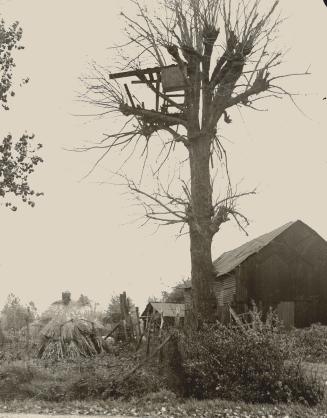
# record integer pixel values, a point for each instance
(163, 245)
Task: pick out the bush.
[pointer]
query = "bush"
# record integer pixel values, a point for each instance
(224, 361)
(305, 389)
(13, 379)
(310, 343)
(89, 378)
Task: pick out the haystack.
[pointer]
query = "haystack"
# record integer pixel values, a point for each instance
(70, 331)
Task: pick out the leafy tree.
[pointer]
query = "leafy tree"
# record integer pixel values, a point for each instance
(9, 41)
(223, 57)
(84, 300)
(15, 315)
(176, 295)
(113, 312)
(33, 312)
(18, 159)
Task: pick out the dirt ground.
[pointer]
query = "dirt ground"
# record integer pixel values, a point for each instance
(57, 416)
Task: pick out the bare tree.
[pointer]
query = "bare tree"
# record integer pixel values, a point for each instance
(204, 57)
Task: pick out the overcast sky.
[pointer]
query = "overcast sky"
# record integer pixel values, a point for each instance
(79, 235)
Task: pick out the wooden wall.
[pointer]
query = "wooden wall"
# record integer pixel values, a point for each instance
(292, 268)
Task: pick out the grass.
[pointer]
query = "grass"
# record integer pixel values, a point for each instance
(57, 388)
(165, 404)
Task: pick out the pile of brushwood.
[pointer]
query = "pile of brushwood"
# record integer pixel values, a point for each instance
(71, 339)
(250, 364)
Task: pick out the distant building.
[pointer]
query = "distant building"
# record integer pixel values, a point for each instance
(169, 313)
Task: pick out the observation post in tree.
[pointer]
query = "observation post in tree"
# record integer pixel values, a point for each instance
(221, 56)
(173, 99)
(168, 84)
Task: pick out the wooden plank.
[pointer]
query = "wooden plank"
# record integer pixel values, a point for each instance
(112, 331)
(129, 95)
(152, 70)
(176, 95)
(143, 82)
(157, 93)
(285, 312)
(236, 318)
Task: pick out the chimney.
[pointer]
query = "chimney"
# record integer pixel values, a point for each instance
(66, 297)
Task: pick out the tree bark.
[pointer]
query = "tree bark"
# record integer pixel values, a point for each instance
(204, 300)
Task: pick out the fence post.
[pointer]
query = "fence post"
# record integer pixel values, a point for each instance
(28, 332)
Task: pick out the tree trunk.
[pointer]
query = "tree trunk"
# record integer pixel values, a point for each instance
(204, 300)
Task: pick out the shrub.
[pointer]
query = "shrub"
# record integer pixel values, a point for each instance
(305, 389)
(13, 378)
(249, 365)
(310, 343)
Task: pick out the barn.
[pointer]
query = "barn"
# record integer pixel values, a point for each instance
(285, 269)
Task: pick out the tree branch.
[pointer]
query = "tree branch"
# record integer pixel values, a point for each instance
(152, 116)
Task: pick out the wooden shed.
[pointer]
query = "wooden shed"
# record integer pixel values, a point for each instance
(285, 269)
(169, 313)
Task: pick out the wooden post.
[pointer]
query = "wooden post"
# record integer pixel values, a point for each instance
(144, 361)
(28, 332)
(148, 342)
(161, 324)
(122, 311)
(177, 319)
(149, 324)
(138, 327)
(129, 318)
(160, 337)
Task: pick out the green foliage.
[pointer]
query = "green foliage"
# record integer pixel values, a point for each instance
(18, 159)
(310, 344)
(84, 300)
(177, 294)
(9, 41)
(226, 362)
(15, 316)
(17, 162)
(13, 378)
(76, 380)
(113, 312)
(101, 384)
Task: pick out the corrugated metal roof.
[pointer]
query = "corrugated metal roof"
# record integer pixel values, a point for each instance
(229, 260)
(169, 309)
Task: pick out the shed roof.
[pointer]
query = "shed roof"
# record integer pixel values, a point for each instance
(167, 309)
(229, 260)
